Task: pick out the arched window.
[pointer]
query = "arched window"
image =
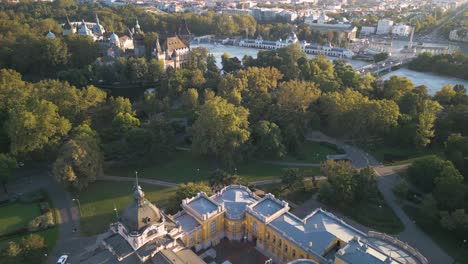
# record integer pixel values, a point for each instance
(294, 253)
(213, 228)
(274, 239)
(268, 235)
(280, 242)
(254, 228)
(285, 248)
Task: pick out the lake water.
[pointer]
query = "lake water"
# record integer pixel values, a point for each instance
(432, 81)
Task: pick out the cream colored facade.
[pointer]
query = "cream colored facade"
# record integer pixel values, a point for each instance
(238, 214)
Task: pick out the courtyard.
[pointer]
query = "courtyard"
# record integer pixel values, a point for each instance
(236, 252)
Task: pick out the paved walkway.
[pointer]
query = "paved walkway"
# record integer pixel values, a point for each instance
(293, 164)
(388, 177)
(69, 242)
(412, 234)
(143, 180)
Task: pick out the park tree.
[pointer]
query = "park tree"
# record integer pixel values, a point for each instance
(33, 247)
(39, 118)
(365, 185)
(230, 64)
(340, 175)
(426, 120)
(230, 88)
(73, 104)
(80, 159)
(163, 139)
(445, 95)
(267, 140)
(295, 97)
(449, 190)
(7, 165)
(198, 79)
(190, 99)
(197, 59)
(221, 128)
(292, 178)
(456, 150)
(290, 56)
(120, 104)
(190, 189)
(155, 71)
(457, 118)
(83, 50)
(220, 178)
(395, 87)
(123, 122)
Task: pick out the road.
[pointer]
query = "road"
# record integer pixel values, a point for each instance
(69, 241)
(387, 178)
(434, 36)
(72, 243)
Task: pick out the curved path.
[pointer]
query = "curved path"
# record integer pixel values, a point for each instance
(387, 178)
(69, 241)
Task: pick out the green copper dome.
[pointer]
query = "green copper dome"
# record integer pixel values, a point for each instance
(140, 212)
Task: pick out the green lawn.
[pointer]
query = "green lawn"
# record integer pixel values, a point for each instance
(314, 152)
(374, 214)
(184, 167)
(445, 239)
(17, 215)
(396, 155)
(97, 203)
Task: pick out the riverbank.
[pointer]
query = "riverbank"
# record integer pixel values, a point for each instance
(433, 81)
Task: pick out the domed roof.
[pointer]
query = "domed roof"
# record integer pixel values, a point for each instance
(114, 39)
(137, 25)
(50, 35)
(140, 212)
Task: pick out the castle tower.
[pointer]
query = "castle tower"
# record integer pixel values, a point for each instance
(68, 28)
(184, 33)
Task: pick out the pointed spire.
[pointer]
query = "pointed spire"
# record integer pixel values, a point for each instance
(97, 19)
(136, 179)
(158, 46)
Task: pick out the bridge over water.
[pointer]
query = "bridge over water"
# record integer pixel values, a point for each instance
(384, 66)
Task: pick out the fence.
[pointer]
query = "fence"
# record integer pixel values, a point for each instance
(400, 244)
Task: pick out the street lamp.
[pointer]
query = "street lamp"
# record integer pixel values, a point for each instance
(116, 212)
(78, 202)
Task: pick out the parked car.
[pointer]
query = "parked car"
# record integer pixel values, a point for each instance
(62, 259)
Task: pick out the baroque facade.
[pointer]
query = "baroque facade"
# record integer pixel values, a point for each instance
(145, 234)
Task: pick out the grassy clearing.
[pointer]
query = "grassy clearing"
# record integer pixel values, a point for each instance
(445, 239)
(97, 203)
(375, 214)
(314, 152)
(395, 155)
(184, 167)
(17, 215)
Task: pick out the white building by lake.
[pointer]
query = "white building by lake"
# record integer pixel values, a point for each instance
(308, 48)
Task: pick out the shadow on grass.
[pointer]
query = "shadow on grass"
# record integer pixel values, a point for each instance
(100, 199)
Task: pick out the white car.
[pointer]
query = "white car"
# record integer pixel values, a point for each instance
(62, 259)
